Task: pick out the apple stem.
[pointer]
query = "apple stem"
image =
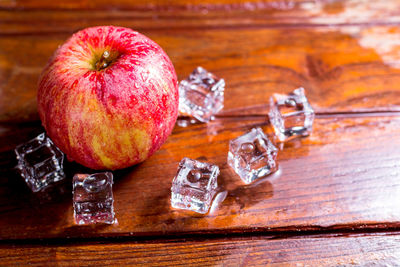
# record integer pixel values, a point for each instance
(103, 62)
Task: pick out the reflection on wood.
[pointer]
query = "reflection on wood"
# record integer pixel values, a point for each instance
(345, 173)
(343, 177)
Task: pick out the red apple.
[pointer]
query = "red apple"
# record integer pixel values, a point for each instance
(108, 97)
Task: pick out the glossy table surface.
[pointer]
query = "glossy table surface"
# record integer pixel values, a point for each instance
(334, 201)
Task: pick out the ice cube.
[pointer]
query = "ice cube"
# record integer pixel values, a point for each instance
(201, 95)
(194, 185)
(252, 155)
(40, 162)
(291, 115)
(93, 198)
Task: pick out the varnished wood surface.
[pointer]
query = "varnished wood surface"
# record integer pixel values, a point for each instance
(345, 67)
(338, 73)
(343, 178)
(327, 250)
(344, 175)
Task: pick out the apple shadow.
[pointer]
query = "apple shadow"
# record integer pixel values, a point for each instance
(32, 214)
(17, 190)
(27, 213)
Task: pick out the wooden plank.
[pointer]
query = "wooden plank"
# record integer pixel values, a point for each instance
(343, 176)
(341, 72)
(274, 11)
(51, 16)
(329, 250)
(152, 4)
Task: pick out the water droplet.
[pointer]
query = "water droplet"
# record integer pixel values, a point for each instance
(290, 102)
(194, 176)
(247, 147)
(95, 183)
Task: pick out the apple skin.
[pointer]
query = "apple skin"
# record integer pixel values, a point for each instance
(108, 110)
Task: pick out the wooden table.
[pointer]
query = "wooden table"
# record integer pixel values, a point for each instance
(335, 200)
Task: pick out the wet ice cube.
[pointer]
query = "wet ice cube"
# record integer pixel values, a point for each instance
(201, 95)
(40, 162)
(194, 185)
(291, 115)
(252, 155)
(93, 198)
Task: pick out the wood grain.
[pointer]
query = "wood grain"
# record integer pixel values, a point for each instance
(249, 12)
(329, 250)
(34, 16)
(341, 73)
(258, 47)
(343, 176)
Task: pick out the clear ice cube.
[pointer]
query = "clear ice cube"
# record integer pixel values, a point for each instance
(201, 95)
(194, 185)
(291, 115)
(93, 198)
(252, 155)
(40, 162)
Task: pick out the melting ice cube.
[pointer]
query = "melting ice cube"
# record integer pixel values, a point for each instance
(291, 115)
(201, 95)
(194, 185)
(93, 198)
(40, 162)
(252, 155)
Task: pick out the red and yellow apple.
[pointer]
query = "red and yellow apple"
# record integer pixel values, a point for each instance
(108, 97)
